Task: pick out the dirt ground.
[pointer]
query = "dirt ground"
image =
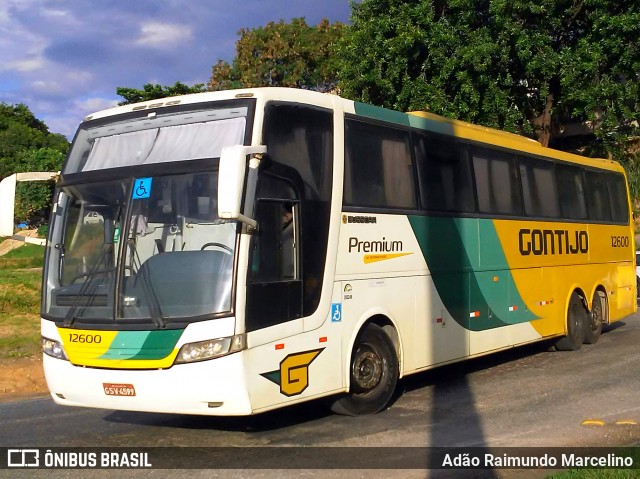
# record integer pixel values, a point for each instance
(21, 377)
(10, 244)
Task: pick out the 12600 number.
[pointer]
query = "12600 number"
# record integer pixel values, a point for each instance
(619, 241)
(85, 338)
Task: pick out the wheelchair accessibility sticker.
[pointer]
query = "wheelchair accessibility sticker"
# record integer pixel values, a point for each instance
(336, 312)
(142, 188)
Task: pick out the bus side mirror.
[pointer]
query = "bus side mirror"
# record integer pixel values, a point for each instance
(231, 181)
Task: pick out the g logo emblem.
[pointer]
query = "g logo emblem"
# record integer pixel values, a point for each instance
(293, 375)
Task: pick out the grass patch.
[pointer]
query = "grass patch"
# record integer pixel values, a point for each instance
(20, 284)
(633, 452)
(598, 474)
(31, 251)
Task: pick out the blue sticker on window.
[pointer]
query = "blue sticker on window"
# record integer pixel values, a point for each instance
(142, 188)
(336, 312)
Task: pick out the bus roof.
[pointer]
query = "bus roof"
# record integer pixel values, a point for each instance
(461, 126)
(421, 120)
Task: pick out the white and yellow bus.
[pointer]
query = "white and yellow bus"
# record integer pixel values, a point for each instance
(229, 253)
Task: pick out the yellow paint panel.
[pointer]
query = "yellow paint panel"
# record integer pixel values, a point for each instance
(550, 260)
(163, 363)
(95, 348)
(79, 343)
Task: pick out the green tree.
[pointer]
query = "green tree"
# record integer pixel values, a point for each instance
(21, 131)
(527, 66)
(27, 145)
(152, 91)
(282, 54)
(33, 199)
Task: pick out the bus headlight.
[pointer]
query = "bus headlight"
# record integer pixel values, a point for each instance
(212, 348)
(53, 348)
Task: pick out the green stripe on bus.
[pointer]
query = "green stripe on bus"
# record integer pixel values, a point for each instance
(142, 345)
(403, 119)
(382, 114)
(470, 271)
(125, 345)
(159, 344)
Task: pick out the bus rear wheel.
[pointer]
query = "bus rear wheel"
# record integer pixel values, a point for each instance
(595, 320)
(373, 374)
(576, 324)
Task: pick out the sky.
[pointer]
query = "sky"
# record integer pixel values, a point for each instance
(64, 59)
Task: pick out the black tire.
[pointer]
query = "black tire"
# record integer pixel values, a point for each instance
(374, 374)
(595, 319)
(576, 322)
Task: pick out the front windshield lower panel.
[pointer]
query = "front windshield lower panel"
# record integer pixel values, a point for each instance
(140, 250)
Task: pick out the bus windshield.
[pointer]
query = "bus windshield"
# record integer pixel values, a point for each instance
(150, 249)
(136, 237)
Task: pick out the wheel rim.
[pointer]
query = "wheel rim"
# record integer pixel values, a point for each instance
(367, 369)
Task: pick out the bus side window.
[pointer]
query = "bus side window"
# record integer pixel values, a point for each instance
(598, 201)
(274, 285)
(497, 182)
(618, 196)
(539, 193)
(444, 170)
(378, 167)
(274, 255)
(571, 192)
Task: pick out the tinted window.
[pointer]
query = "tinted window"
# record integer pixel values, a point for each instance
(539, 193)
(571, 192)
(378, 167)
(444, 172)
(497, 182)
(618, 196)
(598, 202)
(299, 143)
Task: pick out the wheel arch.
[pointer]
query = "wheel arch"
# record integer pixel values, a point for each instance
(586, 303)
(388, 325)
(587, 299)
(602, 292)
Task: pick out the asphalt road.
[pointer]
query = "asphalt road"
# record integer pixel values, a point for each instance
(526, 397)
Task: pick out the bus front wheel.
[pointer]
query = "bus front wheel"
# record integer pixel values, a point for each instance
(576, 324)
(373, 374)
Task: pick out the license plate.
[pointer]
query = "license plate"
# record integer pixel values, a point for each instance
(119, 389)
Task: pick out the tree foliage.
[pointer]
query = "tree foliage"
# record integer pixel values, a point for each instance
(34, 198)
(152, 91)
(27, 145)
(21, 132)
(527, 66)
(282, 54)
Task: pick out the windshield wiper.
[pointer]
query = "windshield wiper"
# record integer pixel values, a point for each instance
(147, 286)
